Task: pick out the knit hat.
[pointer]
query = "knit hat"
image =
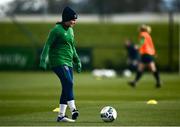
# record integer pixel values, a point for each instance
(68, 14)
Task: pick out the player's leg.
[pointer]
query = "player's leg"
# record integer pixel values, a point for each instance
(63, 98)
(140, 69)
(70, 96)
(135, 64)
(155, 72)
(67, 80)
(138, 74)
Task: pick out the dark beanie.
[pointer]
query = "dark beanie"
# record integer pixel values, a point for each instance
(68, 14)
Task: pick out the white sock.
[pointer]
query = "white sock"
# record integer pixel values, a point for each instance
(62, 111)
(71, 105)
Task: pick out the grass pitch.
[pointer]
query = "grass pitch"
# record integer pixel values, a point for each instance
(28, 98)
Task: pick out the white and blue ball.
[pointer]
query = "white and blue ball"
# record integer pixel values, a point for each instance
(108, 114)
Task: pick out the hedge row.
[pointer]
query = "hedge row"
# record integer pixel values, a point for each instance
(107, 40)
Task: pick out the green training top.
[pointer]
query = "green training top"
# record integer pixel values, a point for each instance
(59, 48)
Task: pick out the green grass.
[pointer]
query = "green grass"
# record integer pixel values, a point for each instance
(28, 98)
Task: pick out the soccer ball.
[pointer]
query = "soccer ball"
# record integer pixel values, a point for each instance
(108, 114)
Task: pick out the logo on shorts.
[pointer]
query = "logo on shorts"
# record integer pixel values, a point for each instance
(66, 67)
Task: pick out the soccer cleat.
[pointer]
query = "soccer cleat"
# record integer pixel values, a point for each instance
(64, 119)
(75, 114)
(158, 85)
(132, 84)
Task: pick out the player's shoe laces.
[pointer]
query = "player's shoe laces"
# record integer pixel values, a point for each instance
(64, 119)
(75, 114)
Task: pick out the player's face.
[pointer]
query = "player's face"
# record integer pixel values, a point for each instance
(70, 23)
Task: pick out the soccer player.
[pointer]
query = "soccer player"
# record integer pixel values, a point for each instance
(147, 52)
(133, 54)
(60, 51)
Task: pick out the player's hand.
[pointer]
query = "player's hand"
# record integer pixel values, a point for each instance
(79, 67)
(43, 65)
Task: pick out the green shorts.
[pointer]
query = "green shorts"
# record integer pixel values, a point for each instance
(146, 58)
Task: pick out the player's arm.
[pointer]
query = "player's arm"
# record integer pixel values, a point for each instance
(141, 41)
(76, 60)
(45, 52)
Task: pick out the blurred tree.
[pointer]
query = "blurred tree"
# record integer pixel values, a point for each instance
(173, 5)
(56, 6)
(93, 6)
(176, 5)
(27, 6)
(116, 6)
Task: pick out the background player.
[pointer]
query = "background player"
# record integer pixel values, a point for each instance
(132, 54)
(147, 52)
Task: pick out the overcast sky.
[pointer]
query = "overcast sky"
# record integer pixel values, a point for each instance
(5, 1)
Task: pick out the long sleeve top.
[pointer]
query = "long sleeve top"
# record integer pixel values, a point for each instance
(59, 48)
